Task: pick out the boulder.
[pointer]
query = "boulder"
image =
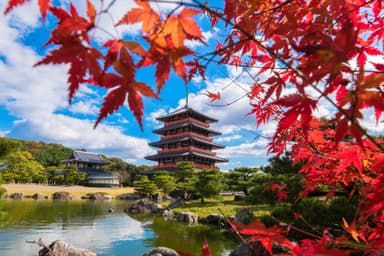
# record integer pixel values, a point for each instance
(175, 203)
(38, 196)
(250, 248)
(187, 217)
(161, 251)
(107, 197)
(99, 196)
(95, 196)
(17, 196)
(61, 196)
(128, 196)
(61, 248)
(214, 219)
(158, 197)
(167, 197)
(168, 214)
(144, 206)
(244, 215)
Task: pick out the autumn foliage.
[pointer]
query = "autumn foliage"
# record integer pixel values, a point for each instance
(306, 53)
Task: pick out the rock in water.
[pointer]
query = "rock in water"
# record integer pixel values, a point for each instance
(187, 217)
(144, 206)
(60, 248)
(161, 251)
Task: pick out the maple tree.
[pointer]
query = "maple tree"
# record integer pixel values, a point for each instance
(304, 51)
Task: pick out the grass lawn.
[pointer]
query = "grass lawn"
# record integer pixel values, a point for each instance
(226, 205)
(75, 191)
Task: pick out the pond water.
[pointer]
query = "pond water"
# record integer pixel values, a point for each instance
(87, 224)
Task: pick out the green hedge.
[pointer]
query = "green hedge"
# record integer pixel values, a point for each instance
(316, 215)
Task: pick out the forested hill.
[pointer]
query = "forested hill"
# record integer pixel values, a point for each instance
(47, 154)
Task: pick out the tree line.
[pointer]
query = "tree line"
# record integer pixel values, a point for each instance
(24, 161)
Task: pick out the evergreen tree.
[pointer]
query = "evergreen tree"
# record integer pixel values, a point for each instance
(165, 181)
(144, 186)
(239, 179)
(209, 183)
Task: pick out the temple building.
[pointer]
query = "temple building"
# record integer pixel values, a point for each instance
(93, 165)
(186, 136)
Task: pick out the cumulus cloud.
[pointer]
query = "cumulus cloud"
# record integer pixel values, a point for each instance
(84, 107)
(38, 97)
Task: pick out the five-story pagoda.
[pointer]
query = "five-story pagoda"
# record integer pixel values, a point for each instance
(186, 136)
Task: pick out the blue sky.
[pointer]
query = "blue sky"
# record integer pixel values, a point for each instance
(34, 106)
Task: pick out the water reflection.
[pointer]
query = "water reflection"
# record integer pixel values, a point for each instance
(89, 225)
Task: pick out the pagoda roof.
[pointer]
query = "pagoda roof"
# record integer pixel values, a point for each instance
(162, 142)
(186, 109)
(86, 157)
(186, 123)
(185, 153)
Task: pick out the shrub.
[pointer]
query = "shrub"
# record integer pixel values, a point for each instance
(2, 191)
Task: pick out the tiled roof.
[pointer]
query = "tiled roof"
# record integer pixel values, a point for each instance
(187, 123)
(186, 109)
(185, 153)
(162, 142)
(86, 157)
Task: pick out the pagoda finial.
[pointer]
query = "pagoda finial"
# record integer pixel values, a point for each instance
(186, 95)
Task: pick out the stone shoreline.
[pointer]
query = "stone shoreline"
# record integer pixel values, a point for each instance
(76, 192)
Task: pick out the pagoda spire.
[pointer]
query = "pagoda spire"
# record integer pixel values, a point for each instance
(186, 95)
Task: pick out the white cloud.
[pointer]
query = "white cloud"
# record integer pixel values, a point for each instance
(369, 123)
(4, 133)
(207, 35)
(229, 138)
(23, 17)
(36, 95)
(84, 107)
(258, 148)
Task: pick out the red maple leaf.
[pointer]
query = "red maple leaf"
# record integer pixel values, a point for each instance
(205, 249)
(266, 236)
(213, 96)
(144, 13)
(81, 59)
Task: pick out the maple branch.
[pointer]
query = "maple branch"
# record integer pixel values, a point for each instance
(264, 67)
(290, 67)
(295, 228)
(234, 81)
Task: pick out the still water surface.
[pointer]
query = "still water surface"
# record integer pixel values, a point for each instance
(88, 224)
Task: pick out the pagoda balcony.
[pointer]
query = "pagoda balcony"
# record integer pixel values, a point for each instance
(183, 134)
(175, 166)
(187, 119)
(187, 148)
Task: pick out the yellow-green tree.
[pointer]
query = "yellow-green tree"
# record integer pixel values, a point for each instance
(20, 166)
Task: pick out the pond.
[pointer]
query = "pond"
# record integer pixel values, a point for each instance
(88, 224)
